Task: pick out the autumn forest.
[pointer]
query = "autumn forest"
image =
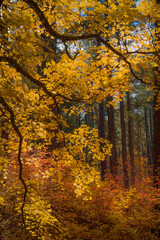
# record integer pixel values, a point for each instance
(79, 119)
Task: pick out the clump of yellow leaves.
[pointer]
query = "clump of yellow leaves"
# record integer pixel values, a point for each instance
(38, 217)
(84, 150)
(84, 145)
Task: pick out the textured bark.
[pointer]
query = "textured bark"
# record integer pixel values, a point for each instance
(156, 119)
(111, 138)
(151, 125)
(124, 146)
(130, 137)
(102, 135)
(156, 144)
(147, 136)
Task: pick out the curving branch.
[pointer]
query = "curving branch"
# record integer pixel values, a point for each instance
(16, 129)
(71, 37)
(38, 83)
(50, 30)
(121, 57)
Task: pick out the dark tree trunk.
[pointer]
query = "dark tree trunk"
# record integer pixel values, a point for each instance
(124, 146)
(156, 119)
(102, 135)
(156, 143)
(86, 118)
(130, 137)
(151, 125)
(111, 138)
(4, 134)
(147, 137)
(92, 116)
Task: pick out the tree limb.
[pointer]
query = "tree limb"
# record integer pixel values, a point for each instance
(21, 70)
(69, 37)
(16, 129)
(49, 29)
(68, 54)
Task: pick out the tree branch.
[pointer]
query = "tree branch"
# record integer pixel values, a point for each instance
(121, 57)
(68, 54)
(21, 70)
(72, 37)
(139, 52)
(49, 29)
(16, 129)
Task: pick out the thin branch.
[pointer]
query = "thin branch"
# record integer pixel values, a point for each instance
(16, 129)
(139, 52)
(121, 57)
(68, 54)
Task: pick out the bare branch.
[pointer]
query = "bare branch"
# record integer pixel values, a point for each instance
(68, 54)
(139, 52)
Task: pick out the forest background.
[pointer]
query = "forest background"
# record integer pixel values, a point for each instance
(80, 119)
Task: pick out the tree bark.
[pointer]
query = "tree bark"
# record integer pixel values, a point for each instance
(130, 137)
(156, 119)
(111, 138)
(124, 146)
(102, 135)
(156, 144)
(147, 136)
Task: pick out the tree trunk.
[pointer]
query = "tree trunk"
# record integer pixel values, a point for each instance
(130, 136)
(151, 125)
(147, 136)
(156, 119)
(111, 138)
(102, 135)
(156, 143)
(124, 146)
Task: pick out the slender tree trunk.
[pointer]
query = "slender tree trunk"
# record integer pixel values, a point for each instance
(139, 155)
(151, 136)
(147, 136)
(79, 120)
(86, 117)
(151, 125)
(92, 115)
(111, 138)
(130, 136)
(124, 146)
(102, 135)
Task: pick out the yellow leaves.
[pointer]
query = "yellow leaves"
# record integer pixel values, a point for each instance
(85, 177)
(2, 201)
(38, 215)
(84, 144)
